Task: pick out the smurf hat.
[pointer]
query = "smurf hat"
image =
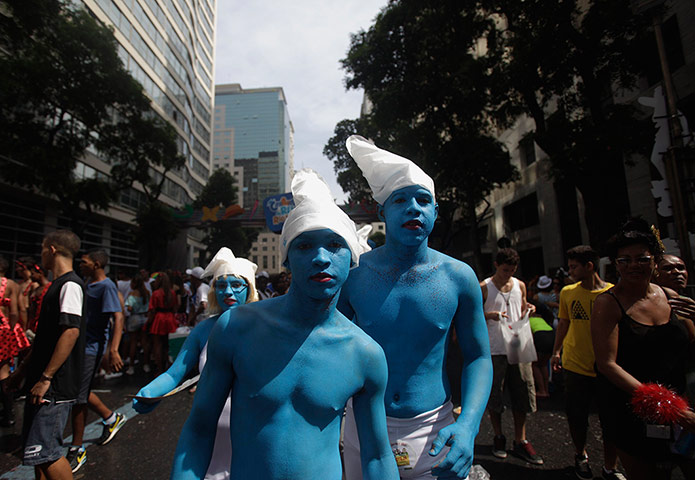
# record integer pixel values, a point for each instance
(363, 237)
(385, 172)
(315, 209)
(225, 263)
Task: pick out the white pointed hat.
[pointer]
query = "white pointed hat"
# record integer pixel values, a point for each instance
(315, 209)
(363, 237)
(385, 172)
(225, 263)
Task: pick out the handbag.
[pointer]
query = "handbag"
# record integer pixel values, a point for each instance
(518, 340)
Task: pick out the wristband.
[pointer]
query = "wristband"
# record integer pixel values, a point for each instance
(45, 377)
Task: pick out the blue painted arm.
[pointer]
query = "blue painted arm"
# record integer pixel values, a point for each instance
(476, 382)
(197, 439)
(377, 458)
(185, 362)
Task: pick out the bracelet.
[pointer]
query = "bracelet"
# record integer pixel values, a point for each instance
(45, 377)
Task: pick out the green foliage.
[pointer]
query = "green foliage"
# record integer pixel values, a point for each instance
(221, 191)
(419, 66)
(559, 63)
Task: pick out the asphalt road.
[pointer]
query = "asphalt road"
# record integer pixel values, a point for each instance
(144, 447)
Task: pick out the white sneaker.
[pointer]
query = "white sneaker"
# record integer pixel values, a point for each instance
(146, 368)
(130, 371)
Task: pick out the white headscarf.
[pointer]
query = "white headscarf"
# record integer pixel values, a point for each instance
(225, 263)
(315, 209)
(385, 172)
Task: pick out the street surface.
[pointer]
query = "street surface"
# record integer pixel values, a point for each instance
(144, 447)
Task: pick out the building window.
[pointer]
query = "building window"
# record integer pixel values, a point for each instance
(522, 214)
(527, 151)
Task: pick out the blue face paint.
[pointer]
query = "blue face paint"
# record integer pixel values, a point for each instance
(230, 291)
(320, 262)
(409, 213)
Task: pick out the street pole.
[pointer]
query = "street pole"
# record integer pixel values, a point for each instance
(676, 145)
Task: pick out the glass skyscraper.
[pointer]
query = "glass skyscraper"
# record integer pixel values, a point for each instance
(262, 135)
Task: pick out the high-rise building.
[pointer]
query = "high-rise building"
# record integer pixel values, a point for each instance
(255, 131)
(168, 46)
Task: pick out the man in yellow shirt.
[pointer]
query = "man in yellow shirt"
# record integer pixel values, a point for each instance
(573, 337)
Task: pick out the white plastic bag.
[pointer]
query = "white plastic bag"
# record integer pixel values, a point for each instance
(518, 340)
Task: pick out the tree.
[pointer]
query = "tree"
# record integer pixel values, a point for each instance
(221, 191)
(560, 63)
(420, 67)
(64, 92)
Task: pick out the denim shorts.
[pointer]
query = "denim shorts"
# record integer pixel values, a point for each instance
(91, 366)
(43, 431)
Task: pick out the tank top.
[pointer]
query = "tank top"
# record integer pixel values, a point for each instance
(497, 301)
(653, 353)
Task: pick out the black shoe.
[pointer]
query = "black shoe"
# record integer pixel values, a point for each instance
(525, 451)
(111, 430)
(499, 446)
(77, 456)
(582, 468)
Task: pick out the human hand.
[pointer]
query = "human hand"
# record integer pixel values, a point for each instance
(683, 306)
(555, 363)
(530, 308)
(496, 316)
(115, 361)
(144, 407)
(687, 420)
(38, 391)
(458, 461)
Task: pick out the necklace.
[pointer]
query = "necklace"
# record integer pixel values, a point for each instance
(506, 298)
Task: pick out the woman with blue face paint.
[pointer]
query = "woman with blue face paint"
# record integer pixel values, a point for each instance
(232, 285)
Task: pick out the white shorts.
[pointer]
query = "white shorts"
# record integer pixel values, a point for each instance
(410, 438)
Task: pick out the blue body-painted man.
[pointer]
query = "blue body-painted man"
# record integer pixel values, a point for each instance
(233, 284)
(407, 296)
(292, 362)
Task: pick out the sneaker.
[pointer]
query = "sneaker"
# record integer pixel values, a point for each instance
(76, 456)
(525, 451)
(612, 474)
(582, 468)
(111, 430)
(146, 368)
(130, 371)
(499, 446)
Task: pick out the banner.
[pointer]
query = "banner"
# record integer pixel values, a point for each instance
(276, 209)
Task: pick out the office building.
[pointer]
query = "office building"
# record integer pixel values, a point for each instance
(168, 46)
(255, 131)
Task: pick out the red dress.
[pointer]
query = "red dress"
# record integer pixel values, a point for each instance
(164, 321)
(12, 339)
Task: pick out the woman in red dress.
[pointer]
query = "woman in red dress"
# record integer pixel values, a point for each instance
(161, 319)
(12, 338)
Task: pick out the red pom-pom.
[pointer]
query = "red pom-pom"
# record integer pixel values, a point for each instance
(655, 403)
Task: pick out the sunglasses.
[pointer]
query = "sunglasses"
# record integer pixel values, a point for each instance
(642, 261)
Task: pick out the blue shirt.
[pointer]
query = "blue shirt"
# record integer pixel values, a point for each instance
(101, 302)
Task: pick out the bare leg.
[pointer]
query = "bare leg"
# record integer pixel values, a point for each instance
(79, 420)
(496, 420)
(132, 347)
(610, 456)
(98, 406)
(58, 470)
(519, 425)
(147, 340)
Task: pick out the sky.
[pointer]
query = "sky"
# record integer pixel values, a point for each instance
(296, 45)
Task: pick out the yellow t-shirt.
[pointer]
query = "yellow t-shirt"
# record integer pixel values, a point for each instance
(576, 304)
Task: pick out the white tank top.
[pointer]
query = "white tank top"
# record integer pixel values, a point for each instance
(497, 301)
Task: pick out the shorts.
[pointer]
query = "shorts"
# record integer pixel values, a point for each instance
(43, 431)
(91, 366)
(135, 322)
(580, 390)
(517, 380)
(410, 438)
(544, 342)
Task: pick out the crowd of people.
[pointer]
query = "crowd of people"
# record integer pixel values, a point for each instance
(384, 318)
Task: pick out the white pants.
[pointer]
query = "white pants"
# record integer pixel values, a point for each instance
(410, 438)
